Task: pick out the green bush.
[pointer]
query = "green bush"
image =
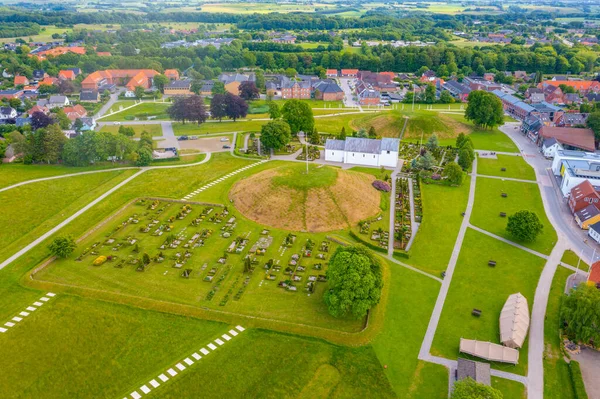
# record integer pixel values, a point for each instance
(129, 117)
(402, 254)
(577, 380)
(367, 244)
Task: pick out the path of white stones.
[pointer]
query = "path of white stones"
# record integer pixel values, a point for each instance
(21, 316)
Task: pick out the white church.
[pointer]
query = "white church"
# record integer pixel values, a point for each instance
(360, 151)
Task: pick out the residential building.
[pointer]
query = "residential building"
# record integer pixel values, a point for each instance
(331, 73)
(232, 81)
(478, 83)
(11, 93)
(89, 96)
(349, 73)
(367, 95)
(21, 80)
(381, 81)
(488, 76)
(328, 91)
(458, 90)
(583, 195)
(207, 86)
(89, 124)
(571, 119)
(582, 86)
(570, 138)
(178, 88)
(535, 95)
(299, 89)
(48, 81)
(37, 108)
(130, 78)
(66, 74)
(514, 106)
(56, 51)
(571, 168)
(55, 101)
(39, 74)
(594, 234)
(550, 146)
(553, 94)
(75, 112)
(172, 74)
(362, 151)
(587, 216)
(7, 113)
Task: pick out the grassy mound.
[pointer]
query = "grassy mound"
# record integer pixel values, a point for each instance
(326, 199)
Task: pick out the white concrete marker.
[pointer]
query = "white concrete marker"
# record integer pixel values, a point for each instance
(240, 328)
(233, 332)
(38, 303)
(211, 347)
(180, 366)
(44, 299)
(196, 356)
(145, 389)
(172, 372)
(135, 395)
(204, 351)
(188, 361)
(163, 377)
(154, 383)
(51, 294)
(226, 337)
(218, 341)
(31, 308)
(9, 324)
(24, 314)
(2, 329)
(17, 318)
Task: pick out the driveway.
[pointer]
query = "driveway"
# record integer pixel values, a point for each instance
(348, 94)
(589, 360)
(113, 99)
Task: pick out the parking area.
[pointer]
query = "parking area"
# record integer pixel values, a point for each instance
(208, 144)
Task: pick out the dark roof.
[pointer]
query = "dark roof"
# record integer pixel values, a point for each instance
(180, 84)
(595, 227)
(587, 213)
(388, 144)
(369, 146)
(88, 95)
(550, 142)
(328, 87)
(478, 371)
(337, 145)
(6, 110)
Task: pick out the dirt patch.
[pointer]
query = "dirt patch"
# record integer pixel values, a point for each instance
(209, 144)
(343, 204)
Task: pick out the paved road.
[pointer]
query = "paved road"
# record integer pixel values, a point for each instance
(104, 109)
(49, 233)
(348, 95)
(169, 139)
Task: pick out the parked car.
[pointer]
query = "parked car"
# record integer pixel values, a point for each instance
(182, 138)
(226, 146)
(224, 139)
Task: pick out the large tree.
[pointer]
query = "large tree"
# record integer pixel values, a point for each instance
(190, 108)
(355, 281)
(218, 107)
(235, 106)
(524, 225)
(274, 111)
(248, 90)
(160, 81)
(62, 247)
(593, 122)
(454, 173)
(299, 116)
(275, 134)
(484, 109)
(40, 120)
(580, 311)
(471, 389)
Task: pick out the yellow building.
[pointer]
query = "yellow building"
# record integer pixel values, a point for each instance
(587, 216)
(178, 88)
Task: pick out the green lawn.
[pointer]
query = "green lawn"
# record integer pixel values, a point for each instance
(154, 129)
(510, 389)
(17, 172)
(521, 196)
(398, 344)
(434, 242)
(268, 364)
(557, 377)
(476, 285)
(156, 110)
(121, 103)
(75, 347)
(571, 258)
(225, 126)
(516, 167)
(33, 209)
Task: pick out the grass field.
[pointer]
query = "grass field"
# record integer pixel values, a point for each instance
(516, 271)
(516, 167)
(154, 129)
(510, 389)
(117, 106)
(434, 242)
(34, 208)
(557, 378)
(45, 35)
(217, 127)
(156, 110)
(521, 196)
(571, 258)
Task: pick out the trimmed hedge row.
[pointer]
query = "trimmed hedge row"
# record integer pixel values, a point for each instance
(367, 244)
(577, 380)
(402, 254)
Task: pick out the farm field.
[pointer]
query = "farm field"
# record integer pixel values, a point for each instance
(520, 196)
(516, 271)
(45, 35)
(516, 167)
(434, 241)
(154, 129)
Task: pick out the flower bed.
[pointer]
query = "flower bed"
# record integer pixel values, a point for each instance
(402, 222)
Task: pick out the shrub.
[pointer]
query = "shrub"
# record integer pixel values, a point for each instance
(381, 186)
(577, 379)
(99, 260)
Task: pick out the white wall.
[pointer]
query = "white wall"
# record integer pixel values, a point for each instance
(569, 182)
(334, 156)
(595, 236)
(360, 158)
(390, 159)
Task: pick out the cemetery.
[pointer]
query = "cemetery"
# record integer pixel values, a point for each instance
(206, 256)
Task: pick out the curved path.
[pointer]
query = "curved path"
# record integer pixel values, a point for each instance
(56, 228)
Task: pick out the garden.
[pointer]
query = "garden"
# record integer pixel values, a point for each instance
(202, 255)
(402, 223)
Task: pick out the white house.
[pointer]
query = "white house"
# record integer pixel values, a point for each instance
(550, 146)
(7, 113)
(572, 168)
(54, 102)
(594, 232)
(362, 151)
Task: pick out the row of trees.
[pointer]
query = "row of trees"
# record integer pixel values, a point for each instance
(296, 116)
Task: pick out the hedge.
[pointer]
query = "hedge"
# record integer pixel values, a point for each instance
(177, 158)
(402, 254)
(368, 244)
(577, 380)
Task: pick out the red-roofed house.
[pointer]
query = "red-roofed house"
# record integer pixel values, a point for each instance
(75, 112)
(49, 81)
(570, 137)
(349, 73)
(582, 195)
(66, 74)
(37, 108)
(331, 73)
(21, 80)
(129, 78)
(56, 51)
(582, 86)
(594, 276)
(172, 74)
(103, 54)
